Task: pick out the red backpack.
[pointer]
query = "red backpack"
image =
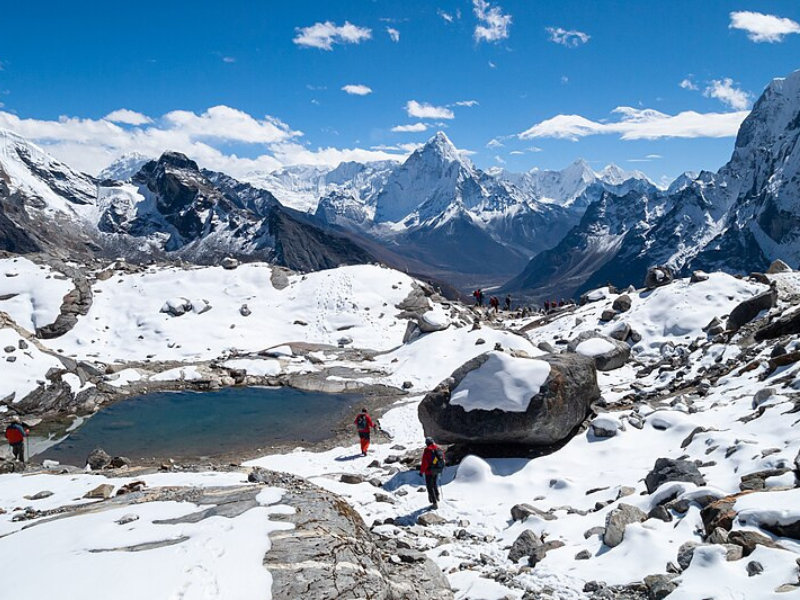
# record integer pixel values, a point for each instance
(15, 434)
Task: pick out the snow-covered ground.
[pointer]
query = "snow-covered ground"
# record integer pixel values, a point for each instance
(36, 292)
(726, 431)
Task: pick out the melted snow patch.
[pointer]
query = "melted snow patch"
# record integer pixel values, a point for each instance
(502, 382)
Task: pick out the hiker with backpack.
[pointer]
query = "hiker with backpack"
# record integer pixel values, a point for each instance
(433, 463)
(364, 425)
(16, 433)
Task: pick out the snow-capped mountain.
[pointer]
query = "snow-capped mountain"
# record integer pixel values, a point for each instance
(302, 186)
(568, 187)
(125, 167)
(739, 219)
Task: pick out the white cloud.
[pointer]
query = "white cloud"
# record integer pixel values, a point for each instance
(467, 103)
(424, 110)
(499, 160)
(414, 128)
(564, 80)
(495, 143)
(569, 38)
(640, 124)
(763, 28)
(127, 117)
(688, 84)
(393, 33)
(448, 18)
(725, 91)
(90, 145)
(325, 35)
(492, 65)
(357, 89)
(229, 59)
(493, 25)
(654, 156)
(516, 153)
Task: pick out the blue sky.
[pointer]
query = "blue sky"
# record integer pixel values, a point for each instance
(545, 78)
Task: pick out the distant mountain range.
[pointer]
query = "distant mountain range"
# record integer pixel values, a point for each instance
(540, 234)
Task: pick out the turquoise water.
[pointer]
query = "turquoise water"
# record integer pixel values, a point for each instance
(206, 424)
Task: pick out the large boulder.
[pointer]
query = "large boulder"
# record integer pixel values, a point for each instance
(606, 352)
(622, 303)
(618, 519)
(749, 309)
(786, 325)
(499, 399)
(778, 266)
(657, 276)
(668, 469)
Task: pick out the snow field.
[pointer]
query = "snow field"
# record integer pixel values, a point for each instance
(38, 291)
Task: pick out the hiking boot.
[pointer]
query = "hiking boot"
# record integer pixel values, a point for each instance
(435, 505)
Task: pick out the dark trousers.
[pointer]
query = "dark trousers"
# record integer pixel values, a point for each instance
(432, 484)
(19, 451)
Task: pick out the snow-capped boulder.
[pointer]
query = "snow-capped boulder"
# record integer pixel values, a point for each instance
(748, 310)
(606, 426)
(500, 399)
(433, 320)
(606, 352)
(698, 277)
(622, 303)
(177, 306)
(778, 266)
(668, 469)
(229, 263)
(657, 276)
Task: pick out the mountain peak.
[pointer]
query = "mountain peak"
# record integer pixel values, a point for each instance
(441, 145)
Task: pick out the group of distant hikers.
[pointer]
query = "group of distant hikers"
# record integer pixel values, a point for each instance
(494, 301)
(433, 459)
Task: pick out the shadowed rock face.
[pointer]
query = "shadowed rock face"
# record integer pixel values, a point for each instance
(552, 415)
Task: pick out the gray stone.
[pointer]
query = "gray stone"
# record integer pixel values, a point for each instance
(245, 311)
(778, 266)
(594, 531)
(430, 519)
(540, 552)
(40, 495)
(668, 469)
(657, 276)
(754, 568)
(718, 536)
(177, 309)
(101, 492)
(622, 303)
(563, 402)
(660, 512)
(118, 462)
(608, 361)
(520, 512)
(524, 545)
(617, 520)
(714, 327)
(125, 519)
(229, 263)
(583, 555)
(699, 276)
(23, 345)
(98, 459)
(749, 309)
(659, 586)
(545, 347)
(352, 478)
(608, 315)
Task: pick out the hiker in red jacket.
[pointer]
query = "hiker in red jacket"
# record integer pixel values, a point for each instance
(432, 466)
(16, 433)
(364, 425)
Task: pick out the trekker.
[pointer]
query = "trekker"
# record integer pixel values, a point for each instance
(16, 433)
(364, 424)
(547, 306)
(433, 462)
(508, 302)
(494, 303)
(477, 294)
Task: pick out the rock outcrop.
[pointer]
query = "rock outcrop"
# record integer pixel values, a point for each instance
(607, 353)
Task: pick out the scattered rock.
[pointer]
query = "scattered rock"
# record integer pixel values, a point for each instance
(606, 352)
(622, 303)
(605, 426)
(668, 469)
(659, 586)
(657, 276)
(125, 519)
(229, 263)
(749, 309)
(661, 513)
(119, 462)
(524, 545)
(98, 459)
(40, 495)
(540, 552)
(778, 266)
(101, 492)
(698, 277)
(748, 540)
(352, 478)
(608, 315)
(754, 568)
(430, 519)
(617, 520)
(583, 555)
(520, 512)
(177, 306)
(245, 311)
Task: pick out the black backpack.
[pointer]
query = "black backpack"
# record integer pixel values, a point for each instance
(437, 461)
(361, 421)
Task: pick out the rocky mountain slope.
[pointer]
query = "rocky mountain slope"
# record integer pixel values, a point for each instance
(737, 220)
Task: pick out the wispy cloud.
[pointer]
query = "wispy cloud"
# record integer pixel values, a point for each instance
(493, 24)
(357, 89)
(127, 117)
(726, 92)
(423, 110)
(495, 143)
(325, 35)
(499, 160)
(516, 153)
(229, 59)
(761, 27)
(467, 103)
(640, 124)
(570, 38)
(90, 145)
(447, 17)
(688, 84)
(393, 33)
(413, 128)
